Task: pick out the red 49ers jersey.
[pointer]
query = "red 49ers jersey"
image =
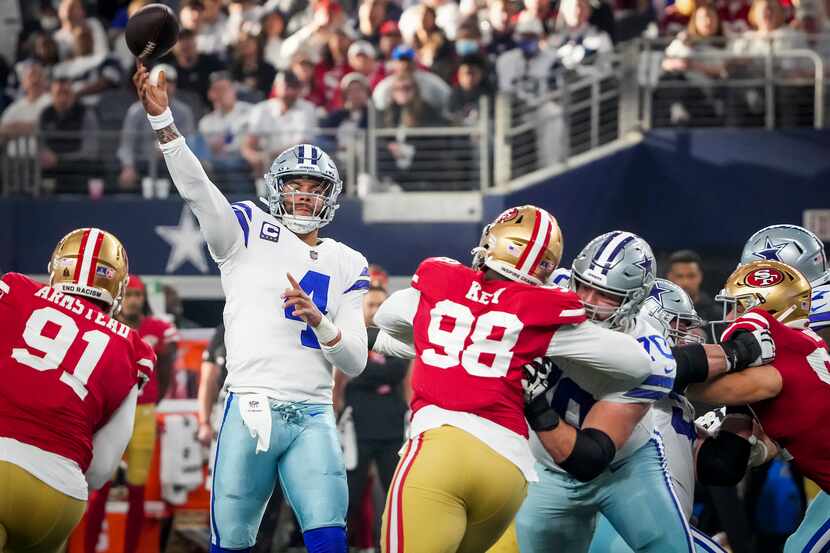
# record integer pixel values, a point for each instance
(158, 334)
(473, 336)
(798, 418)
(66, 368)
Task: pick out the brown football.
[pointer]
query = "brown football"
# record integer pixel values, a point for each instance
(151, 32)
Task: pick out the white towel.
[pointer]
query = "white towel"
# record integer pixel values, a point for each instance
(348, 438)
(255, 410)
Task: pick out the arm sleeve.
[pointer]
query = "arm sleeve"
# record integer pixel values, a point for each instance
(351, 352)
(614, 354)
(396, 314)
(110, 441)
(216, 218)
(387, 345)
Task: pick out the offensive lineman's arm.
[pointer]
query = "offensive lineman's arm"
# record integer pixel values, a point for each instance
(110, 441)
(614, 354)
(216, 217)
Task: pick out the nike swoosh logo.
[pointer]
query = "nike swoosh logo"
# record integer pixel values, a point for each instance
(668, 371)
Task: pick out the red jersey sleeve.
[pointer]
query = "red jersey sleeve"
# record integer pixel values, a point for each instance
(145, 359)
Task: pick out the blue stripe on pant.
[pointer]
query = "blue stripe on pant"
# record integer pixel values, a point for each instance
(560, 512)
(304, 450)
(813, 534)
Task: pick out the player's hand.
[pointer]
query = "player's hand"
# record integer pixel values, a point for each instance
(205, 434)
(304, 307)
(153, 96)
(535, 378)
(745, 348)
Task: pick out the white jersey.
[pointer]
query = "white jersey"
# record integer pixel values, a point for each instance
(674, 419)
(576, 391)
(820, 307)
(269, 351)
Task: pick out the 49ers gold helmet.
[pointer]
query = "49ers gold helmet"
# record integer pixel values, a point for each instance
(523, 243)
(92, 263)
(775, 287)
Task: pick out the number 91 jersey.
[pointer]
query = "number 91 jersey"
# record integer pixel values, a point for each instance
(66, 368)
(472, 337)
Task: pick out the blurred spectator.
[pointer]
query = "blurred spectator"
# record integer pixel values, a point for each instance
(413, 162)
(431, 45)
(10, 27)
(432, 88)
(446, 16)
(44, 50)
(222, 131)
(362, 58)
(466, 96)
(22, 116)
(500, 25)
(192, 67)
(352, 116)
(580, 44)
(376, 402)
(333, 67)
(768, 20)
(89, 72)
(734, 16)
(244, 13)
(69, 133)
(676, 17)
(544, 11)
(701, 103)
(371, 17)
(210, 38)
(313, 37)
(72, 15)
(278, 123)
(273, 35)
(311, 89)
(174, 308)
(685, 268)
(468, 40)
(139, 145)
(390, 38)
(255, 75)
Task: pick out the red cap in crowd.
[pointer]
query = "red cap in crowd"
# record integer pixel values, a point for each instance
(135, 283)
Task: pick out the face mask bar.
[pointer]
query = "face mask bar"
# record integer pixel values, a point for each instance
(281, 197)
(733, 307)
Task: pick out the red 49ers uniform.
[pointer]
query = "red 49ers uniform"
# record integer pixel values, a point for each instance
(468, 461)
(158, 334)
(67, 367)
(797, 418)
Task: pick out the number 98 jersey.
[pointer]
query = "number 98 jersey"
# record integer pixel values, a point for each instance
(472, 337)
(66, 366)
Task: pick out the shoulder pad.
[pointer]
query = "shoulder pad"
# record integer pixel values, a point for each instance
(432, 266)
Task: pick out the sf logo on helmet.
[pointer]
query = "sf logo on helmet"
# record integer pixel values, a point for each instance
(762, 278)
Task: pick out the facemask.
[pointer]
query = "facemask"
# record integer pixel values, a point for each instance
(465, 47)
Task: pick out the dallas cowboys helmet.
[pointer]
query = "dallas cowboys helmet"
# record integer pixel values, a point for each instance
(303, 161)
(790, 244)
(670, 308)
(620, 264)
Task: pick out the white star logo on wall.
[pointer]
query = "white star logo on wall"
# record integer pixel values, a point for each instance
(186, 243)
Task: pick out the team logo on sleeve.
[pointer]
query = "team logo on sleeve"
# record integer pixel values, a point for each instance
(763, 278)
(270, 232)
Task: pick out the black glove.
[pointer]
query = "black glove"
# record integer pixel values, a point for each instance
(540, 416)
(748, 349)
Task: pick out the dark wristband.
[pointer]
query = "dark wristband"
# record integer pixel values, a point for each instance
(540, 416)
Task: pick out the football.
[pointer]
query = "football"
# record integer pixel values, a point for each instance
(151, 32)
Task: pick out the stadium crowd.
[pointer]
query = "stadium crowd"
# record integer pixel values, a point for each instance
(313, 69)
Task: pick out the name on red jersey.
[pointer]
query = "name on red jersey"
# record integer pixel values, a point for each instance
(78, 307)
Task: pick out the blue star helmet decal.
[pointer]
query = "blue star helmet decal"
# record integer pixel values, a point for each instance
(657, 291)
(646, 264)
(771, 251)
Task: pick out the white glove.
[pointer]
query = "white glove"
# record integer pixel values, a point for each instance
(764, 339)
(536, 377)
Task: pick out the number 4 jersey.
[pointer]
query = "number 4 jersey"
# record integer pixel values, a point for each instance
(67, 367)
(472, 336)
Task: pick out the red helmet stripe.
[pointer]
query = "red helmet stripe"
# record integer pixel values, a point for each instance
(529, 246)
(541, 254)
(79, 260)
(99, 239)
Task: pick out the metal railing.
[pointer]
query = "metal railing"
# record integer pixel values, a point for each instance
(779, 88)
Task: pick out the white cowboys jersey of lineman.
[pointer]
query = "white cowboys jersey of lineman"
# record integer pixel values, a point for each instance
(269, 351)
(820, 307)
(674, 419)
(575, 392)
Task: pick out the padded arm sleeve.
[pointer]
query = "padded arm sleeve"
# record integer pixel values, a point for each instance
(110, 441)
(216, 217)
(396, 314)
(593, 452)
(692, 366)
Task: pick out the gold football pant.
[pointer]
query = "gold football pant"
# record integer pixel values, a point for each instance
(139, 452)
(450, 493)
(34, 517)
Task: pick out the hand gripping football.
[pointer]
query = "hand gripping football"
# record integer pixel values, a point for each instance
(151, 32)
